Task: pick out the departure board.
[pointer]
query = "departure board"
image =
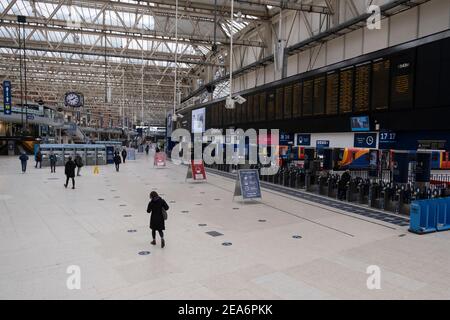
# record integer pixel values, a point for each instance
(319, 95)
(332, 98)
(250, 117)
(271, 106)
(256, 107)
(297, 100)
(380, 84)
(279, 104)
(308, 98)
(402, 81)
(346, 91)
(262, 106)
(288, 102)
(362, 88)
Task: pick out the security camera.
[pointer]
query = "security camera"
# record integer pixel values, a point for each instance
(240, 99)
(229, 103)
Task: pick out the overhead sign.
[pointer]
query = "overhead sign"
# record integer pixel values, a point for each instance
(303, 139)
(387, 137)
(286, 138)
(365, 140)
(320, 144)
(247, 184)
(7, 97)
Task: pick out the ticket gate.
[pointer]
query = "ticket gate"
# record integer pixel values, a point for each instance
(91, 156)
(101, 155)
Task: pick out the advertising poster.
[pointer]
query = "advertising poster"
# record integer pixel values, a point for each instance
(198, 120)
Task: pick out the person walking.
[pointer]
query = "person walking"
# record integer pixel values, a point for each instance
(70, 172)
(117, 160)
(124, 154)
(157, 207)
(23, 160)
(79, 163)
(38, 159)
(342, 184)
(52, 158)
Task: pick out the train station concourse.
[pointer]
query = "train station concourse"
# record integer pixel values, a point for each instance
(242, 151)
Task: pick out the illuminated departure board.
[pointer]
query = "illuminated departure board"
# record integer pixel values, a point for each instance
(262, 106)
(288, 102)
(402, 81)
(308, 98)
(297, 100)
(346, 91)
(271, 105)
(279, 104)
(362, 88)
(250, 106)
(380, 84)
(332, 98)
(319, 95)
(256, 107)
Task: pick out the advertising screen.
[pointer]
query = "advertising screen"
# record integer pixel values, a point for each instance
(198, 120)
(360, 123)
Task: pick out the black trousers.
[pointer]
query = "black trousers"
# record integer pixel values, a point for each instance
(117, 167)
(161, 233)
(73, 181)
(24, 166)
(53, 167)
(40, 164)
(124, 158)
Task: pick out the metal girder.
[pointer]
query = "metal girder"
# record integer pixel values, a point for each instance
(289, 4)
(117, 31)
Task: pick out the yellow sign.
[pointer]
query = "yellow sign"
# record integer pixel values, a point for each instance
(96, 170)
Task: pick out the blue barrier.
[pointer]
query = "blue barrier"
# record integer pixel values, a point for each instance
(443, 214)
(430, 215)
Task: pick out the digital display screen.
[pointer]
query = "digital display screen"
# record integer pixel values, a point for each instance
(332, 99)
(380, 84)
(198, 120)
(360, 123)
(346, 91)
(362, 88)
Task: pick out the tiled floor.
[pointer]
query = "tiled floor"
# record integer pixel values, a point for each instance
(45, 228)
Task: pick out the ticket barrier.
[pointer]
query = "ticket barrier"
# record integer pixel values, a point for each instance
(101, 156)
(363, 191)
(91, 156)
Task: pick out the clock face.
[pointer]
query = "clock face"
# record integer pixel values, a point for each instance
(73, 99)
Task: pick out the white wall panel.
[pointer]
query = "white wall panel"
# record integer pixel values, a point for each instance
(434, 17)
(376, 39)
(335, 50)
(353, 44)
(403, 27)
(292, 65)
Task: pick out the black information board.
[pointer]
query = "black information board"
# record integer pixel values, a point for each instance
(427, 69)
(319, 95)
(346, 91)
(247, 184)
(332, 99)
(380, 84)
(297, 99)
(308, 98)
(288, 102)
(362, 88)
(271, 106)
(279, 104)
(250, 106)
(402, 81)
(262, 106)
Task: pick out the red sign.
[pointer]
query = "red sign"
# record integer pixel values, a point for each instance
(160, 159)
(198, 169)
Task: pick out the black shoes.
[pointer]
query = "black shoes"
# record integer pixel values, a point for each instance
(153, 242)
(163, 243)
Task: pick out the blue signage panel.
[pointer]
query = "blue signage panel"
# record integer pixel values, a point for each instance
(320, 144)
(286, 139)
(249, 181)
(303, 139)
(7, 97)
(365, 140)
(109, 154)
(388, 137)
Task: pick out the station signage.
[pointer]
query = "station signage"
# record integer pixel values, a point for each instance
(196, 171)
(247, 184)
(303, 139)
(320, 144)
(7, 97)
(365, 140)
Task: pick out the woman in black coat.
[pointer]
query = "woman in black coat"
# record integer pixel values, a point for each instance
(155, 207)
(70, 172)
(117, 161)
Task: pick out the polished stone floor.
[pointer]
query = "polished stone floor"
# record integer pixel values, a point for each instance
(281, 247)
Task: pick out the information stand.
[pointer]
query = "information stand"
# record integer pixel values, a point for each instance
(247, 185)
(196, 171)
(159, 160)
